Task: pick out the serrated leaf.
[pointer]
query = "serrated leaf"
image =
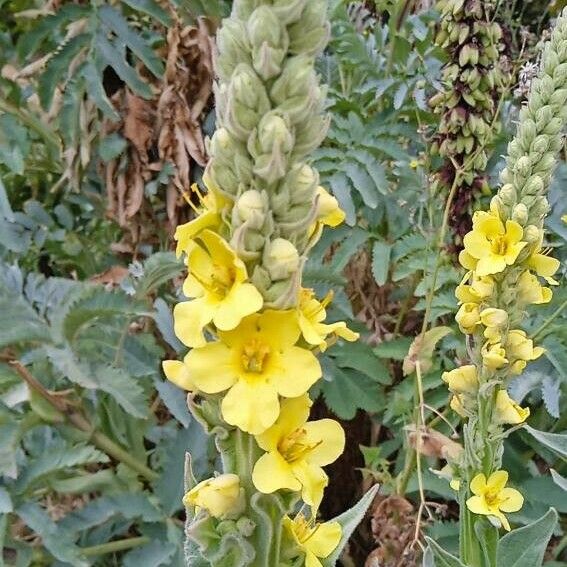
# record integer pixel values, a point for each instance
(94, 303)
(157, 270)
(128, 505)
(512, 549)
(95, 88)
(115, 22)
(151, 8)
(395, 349)
(346, 391)
(57, 541)
(348, 247)
(58, 67)
(363, 183)
(56, 458)
(555, 441)
(442, 558)
(551, 393)
(114, 57)
(381, 252)
(341, 189)
(349, 521)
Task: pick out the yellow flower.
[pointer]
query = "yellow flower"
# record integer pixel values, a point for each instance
(296, 449)
(544, 266)
(494, 320)
(178, 373)
(328, 210)
(493, 356)
(217, 279)
(311, 314)
(208, 216)
(480, 288)
(530, 291)
(468, 317)
(457, 405)
(520, 349)
(508, 411)
(220, 496)
(492, 497)
(491, 245)
(462, 380)
(257, 362)
(315, 540)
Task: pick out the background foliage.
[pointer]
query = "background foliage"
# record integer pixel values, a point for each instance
(103, 113)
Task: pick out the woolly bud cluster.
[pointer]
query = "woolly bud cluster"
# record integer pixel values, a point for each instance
(472, 82)
(270, 116)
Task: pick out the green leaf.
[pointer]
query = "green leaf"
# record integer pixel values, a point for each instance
(151, 8)
(525, 547)
(349, 521)
(559, 480)
(6, 505)
(341, 188)
(363, 183)
(395, 349)
(346, 391)
(443, 558)
(57, 541)
(111, 147)
(115, 22)
(58, 67)
(56, 458)
(348, 248)
(154, 554)
(95, 88)
(381, 252)
(555, 441)
(159, 268)
(114, 57)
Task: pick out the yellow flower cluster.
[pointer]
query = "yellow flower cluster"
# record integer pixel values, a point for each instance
(506, 266)
(259, 362)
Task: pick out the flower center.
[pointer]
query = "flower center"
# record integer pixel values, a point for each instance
(499, 245)
(222, 279)
(255, 354)
(492, 498)
(294, 446)
(304, 529)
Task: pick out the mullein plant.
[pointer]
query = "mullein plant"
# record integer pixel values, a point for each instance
(472, 83)
(252, 329)
(509, 270)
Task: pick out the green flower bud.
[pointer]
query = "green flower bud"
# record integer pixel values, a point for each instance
(531, 234)
(234, 48)
(520, 213)
(533, 186)
(247, 102)
(269, 42)
(251, 206)
(281, 259)
(310, 33)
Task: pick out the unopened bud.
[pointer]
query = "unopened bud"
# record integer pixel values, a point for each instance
(251, 205)
(532, 234)
(520, 213)
(281, 259)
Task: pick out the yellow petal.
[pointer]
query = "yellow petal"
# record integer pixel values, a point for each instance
(513, 251)
(477, 505)
(329, 439)
(190, 318)
(514, 231)
(476, 245)
(297, 370)
(490, 264)
(467, 261)
(544, 266)
(184, 233)
(497, 481)
(510, 500)
(478, 484)
(503, 520)
(293, 415)
(271, 472)
(242, 300)
(252, 407)
(280, 324)
(309, 330)
(178, 373)
(313, 482)
(211, 368)
(311, 560)
(325, 539)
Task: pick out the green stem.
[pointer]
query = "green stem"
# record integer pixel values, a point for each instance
(114, 546)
